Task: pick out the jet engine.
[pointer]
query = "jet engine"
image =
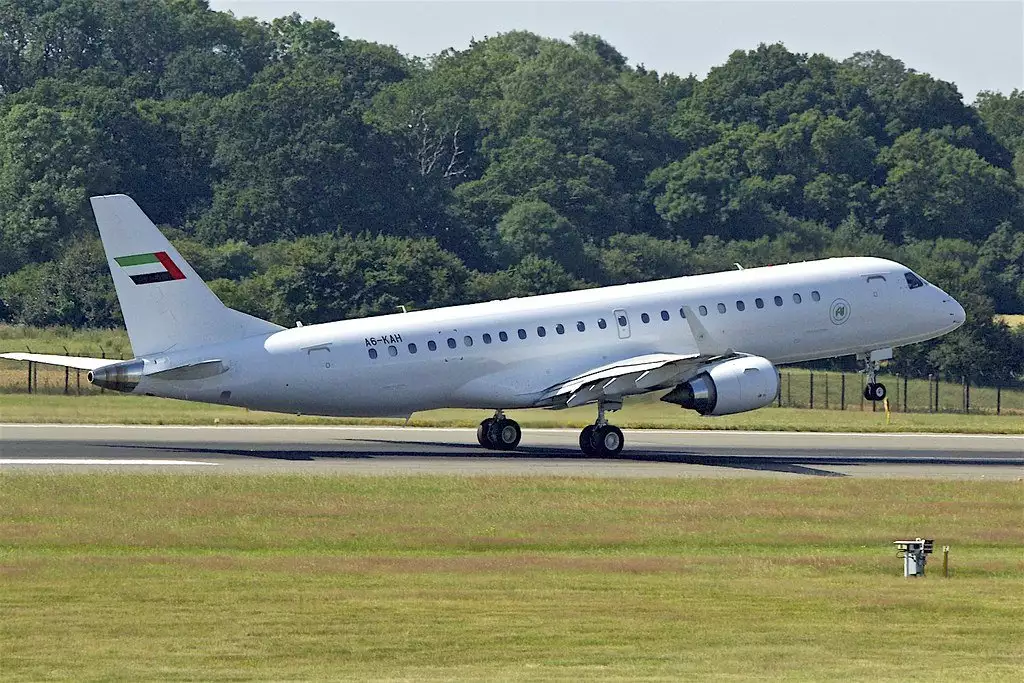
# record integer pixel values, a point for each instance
(732, 386)
(118, 376)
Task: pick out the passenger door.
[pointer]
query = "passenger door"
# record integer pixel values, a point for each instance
(621, 323)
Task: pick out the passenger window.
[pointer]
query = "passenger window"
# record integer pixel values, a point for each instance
(412, 348)
(432, 345)
(392, 351)
(796, 298)
(682, 313)
(601, 323)
(503, 336)
(815, 295)
(644, 317)
(759, 302)
(451, 343)
(740, 306)
(580, 326)
(721, 308)
(467, 340)
(373, 353)
(703, 309)
(778, 301)
(486, 337)
(622, 321)
(560, 328)
(913, 281)
(522, 333)
(541, 332)
(664, 315)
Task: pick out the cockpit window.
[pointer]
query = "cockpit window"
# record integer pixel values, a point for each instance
(913, 281)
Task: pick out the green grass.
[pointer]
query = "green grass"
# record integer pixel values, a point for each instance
(644, 413)
(290, 577)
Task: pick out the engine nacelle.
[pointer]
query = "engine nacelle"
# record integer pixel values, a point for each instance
(732, 386)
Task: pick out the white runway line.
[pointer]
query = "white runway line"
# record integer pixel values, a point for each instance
(97, 461)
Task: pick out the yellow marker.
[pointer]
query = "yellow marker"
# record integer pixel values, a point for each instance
(887, 414)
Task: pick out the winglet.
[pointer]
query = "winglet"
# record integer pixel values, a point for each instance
(707, 346)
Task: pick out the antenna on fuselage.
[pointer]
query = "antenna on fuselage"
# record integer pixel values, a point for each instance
(403, 308)
(738, 266)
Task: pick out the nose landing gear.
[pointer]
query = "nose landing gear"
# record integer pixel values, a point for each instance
(499, 433)
(874, 390)
(602, 439)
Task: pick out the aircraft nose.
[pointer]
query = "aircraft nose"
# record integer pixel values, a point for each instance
(956, 312)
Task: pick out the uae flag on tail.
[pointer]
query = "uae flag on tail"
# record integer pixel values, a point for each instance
(144, 269)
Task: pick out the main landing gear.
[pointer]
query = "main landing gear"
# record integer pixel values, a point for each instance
(602, 439)
(873, 390)
(499, 433)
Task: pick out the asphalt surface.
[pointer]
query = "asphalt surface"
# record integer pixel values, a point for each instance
(392, 450)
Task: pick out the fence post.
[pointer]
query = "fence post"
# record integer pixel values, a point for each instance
(78, 382)
(937, 394)
(896, 403)
(930, 393)
(842, 393)
(30, 377)
(778, 392)
(904, 393)
(967, 388)
(789, 389)
(862, 393)
(35, 377)
(812, 390)
(826, 391)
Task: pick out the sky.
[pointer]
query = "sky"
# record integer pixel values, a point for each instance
(976, 44)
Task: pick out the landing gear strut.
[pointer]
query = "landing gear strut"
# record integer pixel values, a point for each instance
(602, 439)
(873, 390)
(499, 433)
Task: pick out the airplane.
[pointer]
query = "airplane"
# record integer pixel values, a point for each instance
(711, 342)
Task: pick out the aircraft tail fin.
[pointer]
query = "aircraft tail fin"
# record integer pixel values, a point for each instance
(165, 303)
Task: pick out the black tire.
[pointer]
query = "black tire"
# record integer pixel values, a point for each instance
(482, 433)
(504, 435)
(587, 441)
(608, 441)
(878, 392)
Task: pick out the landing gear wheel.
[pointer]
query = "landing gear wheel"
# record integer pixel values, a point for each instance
(587, 441)
(874, 391)
(504, 435)
(608, 441)
(481, 433)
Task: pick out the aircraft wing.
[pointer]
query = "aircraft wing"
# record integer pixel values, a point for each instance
(78, 362)
(636, 375)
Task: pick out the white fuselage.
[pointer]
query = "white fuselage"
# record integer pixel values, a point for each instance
(504, 354)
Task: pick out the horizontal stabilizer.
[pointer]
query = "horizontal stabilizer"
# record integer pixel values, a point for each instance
(79, 362)
(202, 370)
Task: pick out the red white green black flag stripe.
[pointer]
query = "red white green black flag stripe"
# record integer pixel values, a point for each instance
(146, 269)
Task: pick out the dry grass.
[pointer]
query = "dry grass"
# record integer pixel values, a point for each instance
(120, 409)
(227, 578)
(1012, 320)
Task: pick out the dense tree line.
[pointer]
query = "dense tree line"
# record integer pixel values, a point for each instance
(312, 177)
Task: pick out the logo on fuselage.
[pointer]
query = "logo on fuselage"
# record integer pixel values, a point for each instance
(839, 312)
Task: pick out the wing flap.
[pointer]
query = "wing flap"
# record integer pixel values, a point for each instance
(636, 375)
(78, 362)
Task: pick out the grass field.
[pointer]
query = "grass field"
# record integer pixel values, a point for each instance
(637, 414)
(288, 577)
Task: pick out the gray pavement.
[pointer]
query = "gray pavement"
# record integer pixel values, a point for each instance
(395, 450)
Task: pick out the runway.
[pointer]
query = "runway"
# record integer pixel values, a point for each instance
(394, 450)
